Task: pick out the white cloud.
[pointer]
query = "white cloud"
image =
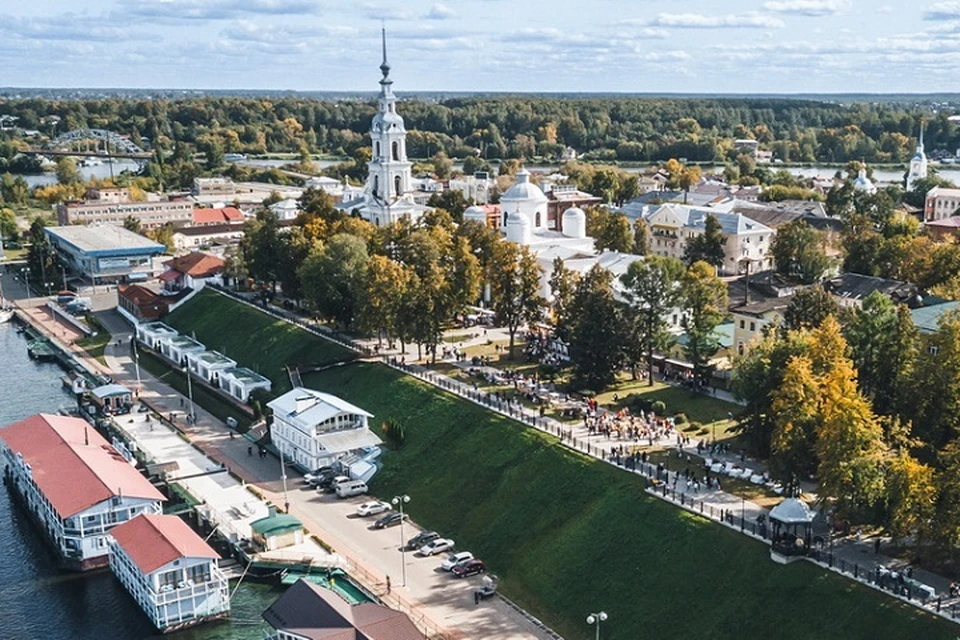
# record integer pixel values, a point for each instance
(188, 10)
(949, 10)
(440, 12)
(750, 20)
(808, 7)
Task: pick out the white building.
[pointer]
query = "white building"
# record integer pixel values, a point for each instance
(75, 484)
(918, 164)
(169, 570)
(178, 347)
(154, 334)
(479, 187)
(673, 226)
(389, 192)
(864, 184)
(287, 209)
(315, 429)
(941, 203)
(240, 382)
(524, 207)
(208, 365)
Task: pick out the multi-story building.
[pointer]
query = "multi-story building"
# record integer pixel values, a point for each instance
(315, 429)
(104, 252)
(941, 203)
(169, 570)
(75, 484)
(214, 187)
(747, 242)
(114, 206)
(478, 188)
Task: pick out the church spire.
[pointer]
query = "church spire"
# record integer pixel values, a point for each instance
(385, 82)
(921, 135)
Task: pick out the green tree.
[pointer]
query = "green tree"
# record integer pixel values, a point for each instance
(934, 397)
(707, 246)
(384, 287)
(40, 256)
(610, 231)
(332, 277)
(641, 237)
(442, 165)
(598, 331)
(132, 223)
(704, 298)
(67, 172)
(653, 292)
(473, 164)
(516, 289)
(163, 235)
(883, 341)
(798, 251)
(450, 200)
(294, 248)
(808, 308)
(911, 497)
(9, 230)
(945, 525)
(796, 406)
(563, 288)
(261, 247)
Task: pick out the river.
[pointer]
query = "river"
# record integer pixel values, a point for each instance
(39, 601)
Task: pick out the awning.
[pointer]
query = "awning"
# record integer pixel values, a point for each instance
(347, 440)
(170, 275)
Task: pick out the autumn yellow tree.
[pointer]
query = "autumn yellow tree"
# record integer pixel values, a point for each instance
(795, 409)
(911, 496)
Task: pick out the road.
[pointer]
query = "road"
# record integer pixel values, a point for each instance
(446, 602)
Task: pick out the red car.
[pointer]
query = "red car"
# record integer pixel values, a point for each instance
(469, 568)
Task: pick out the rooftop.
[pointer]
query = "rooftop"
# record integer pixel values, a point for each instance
(214, 358)
(316, 613)
(110, 390)
(103, 237)
(312, 407)
(276, 524)
(217, 215)
(154, 541)
(196, 264)
(73, 465)
(245, 376)
(927, 319)
(856, 286)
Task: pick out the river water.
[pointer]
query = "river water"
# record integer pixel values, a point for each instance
(39, 601)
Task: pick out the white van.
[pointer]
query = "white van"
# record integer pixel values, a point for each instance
(351, 488)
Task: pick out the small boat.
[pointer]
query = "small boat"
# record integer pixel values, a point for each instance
(6, 315)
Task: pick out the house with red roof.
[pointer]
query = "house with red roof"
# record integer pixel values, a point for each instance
(191, 271)
(219, 215)
(75, 484)
(169, 570)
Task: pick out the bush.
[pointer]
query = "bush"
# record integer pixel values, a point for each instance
(659, 407)
(637, 402)
(394, 432)
(680, 418)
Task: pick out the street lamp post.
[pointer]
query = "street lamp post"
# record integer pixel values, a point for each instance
(26, 281)
(597, 618)
(136, 360)
(399, 501)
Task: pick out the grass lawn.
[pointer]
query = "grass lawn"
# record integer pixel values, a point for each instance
(569, 535)
(95, 344)
(209, 400)
(254, 339)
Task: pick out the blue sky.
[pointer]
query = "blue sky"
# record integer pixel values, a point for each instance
(688, 46)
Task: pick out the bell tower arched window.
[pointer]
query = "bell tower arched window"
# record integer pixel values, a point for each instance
(376, 185)
(378, 151)
(537, 222)
(397, 184)
(396, 150)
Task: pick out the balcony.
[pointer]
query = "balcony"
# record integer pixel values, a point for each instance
(187, 590)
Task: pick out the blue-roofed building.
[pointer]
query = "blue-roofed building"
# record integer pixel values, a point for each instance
(104, 253)
(747, 241)
(927, 319)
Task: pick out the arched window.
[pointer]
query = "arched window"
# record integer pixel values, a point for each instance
(376, 185)
(378, 150)
(396, 184)
(537, 221)
(396, 150)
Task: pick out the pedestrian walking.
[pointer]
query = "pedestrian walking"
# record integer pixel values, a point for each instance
(250, 451)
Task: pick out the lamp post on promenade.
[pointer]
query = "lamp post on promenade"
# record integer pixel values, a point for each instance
(399, 501)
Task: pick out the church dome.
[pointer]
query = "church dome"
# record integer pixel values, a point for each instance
(475, 213)
(524, 190)
(574, 223)
(863, 183)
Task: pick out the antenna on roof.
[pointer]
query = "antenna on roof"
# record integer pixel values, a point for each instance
(86, 437)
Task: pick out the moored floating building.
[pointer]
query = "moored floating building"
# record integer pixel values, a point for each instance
(74, 484)
(169, 570)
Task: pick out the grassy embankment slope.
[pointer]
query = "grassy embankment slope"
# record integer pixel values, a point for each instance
(570, 535)
(254, 339)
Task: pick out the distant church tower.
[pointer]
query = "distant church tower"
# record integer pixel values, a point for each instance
(389, 170)
(918, 164)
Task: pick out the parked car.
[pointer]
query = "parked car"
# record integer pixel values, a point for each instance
(469, 568)
(434, 547)
(454, 559)
(351, 488)
(372, 508)
(421, 539)
(392, 519)
(322, 472)
(330, 486)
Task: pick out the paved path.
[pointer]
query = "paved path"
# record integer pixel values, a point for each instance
(444, 602)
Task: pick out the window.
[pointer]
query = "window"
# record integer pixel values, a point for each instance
(933, 350)
(396, 185)
(169, 579)
(376, 185)
(537, 220)
(396, 150)
(742, 324)
(199, 573)
(753, 326)
(378, 150)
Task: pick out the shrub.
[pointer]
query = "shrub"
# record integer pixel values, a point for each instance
(680, 418)
(394, 432)
(659, 407)
(637, 402)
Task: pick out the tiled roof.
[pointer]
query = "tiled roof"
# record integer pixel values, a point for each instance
(153, 541)
(313, 612)
(217, 216)
(196, 264)
(73, 465)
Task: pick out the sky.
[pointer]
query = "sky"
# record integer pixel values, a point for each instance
(630, 46)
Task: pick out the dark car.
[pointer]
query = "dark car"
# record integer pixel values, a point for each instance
(421, 539)
(390, 520)
(468, 568)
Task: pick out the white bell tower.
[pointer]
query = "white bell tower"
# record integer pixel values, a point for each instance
(389, 175)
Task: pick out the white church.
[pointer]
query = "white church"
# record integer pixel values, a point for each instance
(387, 196)
(918, 164)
